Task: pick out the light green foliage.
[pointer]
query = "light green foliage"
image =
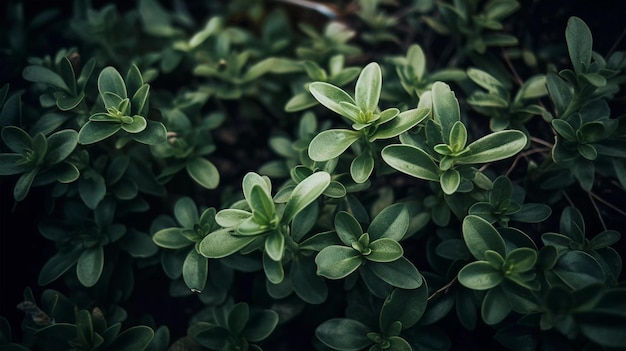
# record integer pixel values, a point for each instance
(297, 174)
(368, 122)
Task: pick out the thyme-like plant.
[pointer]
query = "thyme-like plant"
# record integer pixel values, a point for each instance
(237, 175)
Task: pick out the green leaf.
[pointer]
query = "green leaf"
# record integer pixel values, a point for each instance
(495, 307)
(521, 260)
(274, 270)
(91, 188)
(92, 132)
(39, 74)
(494, 147)
(480, 275)
(605, 329)
(309, 287)
(560, 92)
(331, 97)
(405, 306)
(261, 324)
(23, 184)
(60, 145)
(68, 102)
(154, 133)
(578, 269)
(139, 102)
(604, 239)
(400, 124)
(481, 236)
(392, 222)
(445, 108)
(238, 318)
(450, 181)
(384, 250)
(16, 139)
(221, 243)
(138, 124)
(343, 334)
(412, 161)
(579, 44)
(458, 136)
(485, 80)
(275, 245)
(58, 264)
(203, 172)
(532, 213)
(231, 217)
(331, 143)
(195, 271)
(133, 339)
(90, 265)
(170, 238)
(348, 228)
(564, 129)
(10, 164)
(368, 87)
(400, 273)
(186, 212)
(304, 194)
(361, 167)
(110, 80)
(336, 262)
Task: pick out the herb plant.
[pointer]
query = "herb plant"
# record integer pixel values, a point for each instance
(297, 175)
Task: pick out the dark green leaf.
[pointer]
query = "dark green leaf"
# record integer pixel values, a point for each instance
(90, 265)
(221, 244)
(495, 306)
(384, 250)
(361, 167)
(578, 269)
(331, 143)
(412, 161)
(133, 339)
(480, 275)
(39, 74)
(110, 80)
(92, 132)
(481, 236)
(343, 334)
(494, 147)
(400, 273)
(304, 194)
(336, 262)
(406, 306)
(260, 325)
(392, 222)
(368, 87)
(195, 271)
(579, 44)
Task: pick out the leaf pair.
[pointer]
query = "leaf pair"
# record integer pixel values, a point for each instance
(126, 104)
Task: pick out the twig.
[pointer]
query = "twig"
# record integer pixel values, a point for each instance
(595, 206)
(442, 289)
(542, 142)
(518, 80)
(607, 204)
(524, 155)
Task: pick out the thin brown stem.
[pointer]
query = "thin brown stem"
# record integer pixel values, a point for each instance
(518, 80)
(608, 204)
(443, 289)
(595, 207)
(524, 155)
(542, 142)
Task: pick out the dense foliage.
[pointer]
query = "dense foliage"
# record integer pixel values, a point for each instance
(282, 175)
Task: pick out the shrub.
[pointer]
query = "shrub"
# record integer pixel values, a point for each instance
(236, 175)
